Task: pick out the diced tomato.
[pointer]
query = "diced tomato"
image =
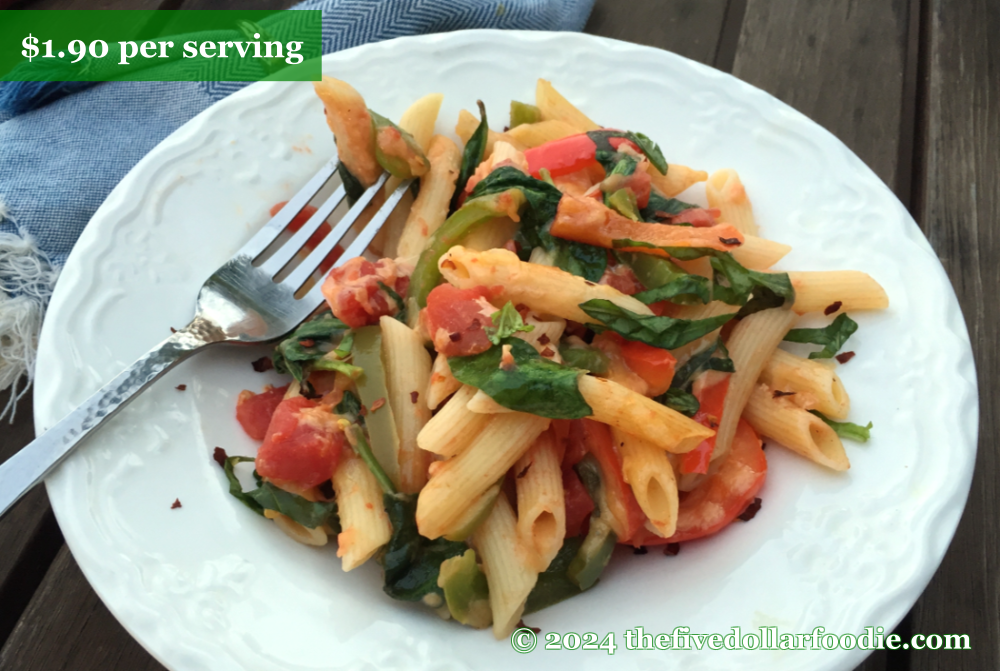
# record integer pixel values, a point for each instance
(697, 217)
(454, 319)
(253, 411)
(353, 291)
(579, 505)
(711, 400)
(561, 157)
(619, 276)
(723, 496)
(652, 364)
(597, 439)
(303, 444)
(299, 220)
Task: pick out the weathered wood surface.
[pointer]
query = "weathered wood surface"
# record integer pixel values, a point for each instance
(957, 196)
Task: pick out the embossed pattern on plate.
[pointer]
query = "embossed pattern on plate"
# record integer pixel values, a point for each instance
(211, 586)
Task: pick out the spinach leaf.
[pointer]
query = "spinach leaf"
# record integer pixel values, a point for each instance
(652, 152)
(659, 205)
(296, 354)
(532, 384)
(350, 407)
(663, 332)
(506, 322)
(585, 358)
(410, 561)
(684, 285)
(831, 337)
(553, 583)
(473, 154)
(743, 282)
(701, 362)
(608, 156)
(352, 185)
(580, 259)
(400, 303)
(848, 430)
(268, 497)
(681, 401)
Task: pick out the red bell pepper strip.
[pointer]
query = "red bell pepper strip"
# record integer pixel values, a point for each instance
(652, 364)
(709, 412)
(561, 157)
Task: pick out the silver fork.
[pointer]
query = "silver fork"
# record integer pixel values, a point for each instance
(240, 303)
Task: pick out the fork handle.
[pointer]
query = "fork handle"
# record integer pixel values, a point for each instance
(32, 463)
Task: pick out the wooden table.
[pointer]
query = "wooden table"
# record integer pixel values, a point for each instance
(912, 86)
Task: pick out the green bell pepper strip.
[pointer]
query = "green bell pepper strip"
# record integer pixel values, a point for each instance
(465, 590)
(372, 388)
(523, 113)
(595, 552)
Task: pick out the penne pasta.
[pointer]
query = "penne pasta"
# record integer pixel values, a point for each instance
(315, 537)
(535, 134)
(509, 578)
(364, 524)
(751, 344)
(430, 209)
(725, 192)
(442, 383)
(554, 106)
(677, 179)
(408, 371)
(647, 470)
(759, 253)
(348, 118)
(464, 477)
(815, 383)
(453, 428)
(544, 289)
(622, 408)
(815, 291)
(795, 428)
(541, 508)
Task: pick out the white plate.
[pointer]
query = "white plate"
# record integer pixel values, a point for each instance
(212, 586)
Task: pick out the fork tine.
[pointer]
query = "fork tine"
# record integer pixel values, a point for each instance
(305, 269)
(287, 251)
(360, 244)
(273, 228)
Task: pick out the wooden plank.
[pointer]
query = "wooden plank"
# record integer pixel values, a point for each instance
(958, 204)
(67, 628)
(690, 28)
(841, 63)
(29, 535)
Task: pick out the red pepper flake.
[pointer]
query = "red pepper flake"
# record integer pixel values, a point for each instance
(448, 264)
(378, 404)
(672, 549)
(778, 393)
(176, 504)
(589, 283)
(181, 387)
(833, 307)
(363, 411)
(262, 364)
(455, 337)
(544, 339)
(763, 446)
(547, 352)
(751, 510)
(522, 625)
(414, 396)
(173, 330)
(844, 357)
(308, 342)
(641, 550)
(729, 241)
(220, 456)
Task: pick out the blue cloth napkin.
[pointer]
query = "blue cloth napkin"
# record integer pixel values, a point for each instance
(64, 146)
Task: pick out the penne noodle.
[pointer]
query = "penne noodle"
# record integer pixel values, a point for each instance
(536, 134)
(677, 179)
(510, 580)
(407, 372)
(816, 384)
(541, 508)
(430, 209)
(453, 428)
(751, 344)
(648, 471)
(554, 106)
(759, 253)
(795, 428)
(817, 290)
(442, 383)
(363, 520)
(622, 408)
(315, 537)
(463, 478)
(419, 119)
(483, 404)
(711, 309)
(725, 192)
(544, 289)
(348, 118)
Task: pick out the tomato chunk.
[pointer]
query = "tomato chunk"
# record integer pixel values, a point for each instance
(619, 276)
(454, 319)
(561, 157)
(709, 413)
(652, 364)
(354, 294)
(723, 496)
(254, 411)
(303, 444)
(579, 505)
